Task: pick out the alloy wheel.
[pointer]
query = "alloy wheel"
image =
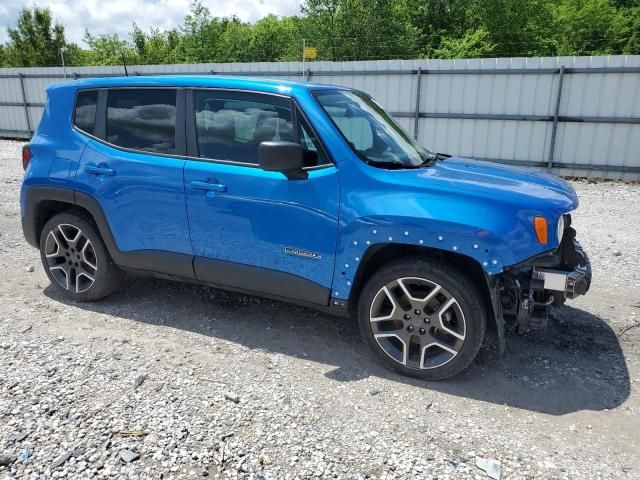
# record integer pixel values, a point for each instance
(71, 258)
(417, 322)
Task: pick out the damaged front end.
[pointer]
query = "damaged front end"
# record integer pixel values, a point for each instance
(525, 293)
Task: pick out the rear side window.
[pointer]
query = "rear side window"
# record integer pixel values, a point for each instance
(84, 116)
(142, 119)
(231, 125)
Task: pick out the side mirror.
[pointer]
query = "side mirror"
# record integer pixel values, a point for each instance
(285, 157)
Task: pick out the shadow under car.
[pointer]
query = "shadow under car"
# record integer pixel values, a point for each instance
(575, 364)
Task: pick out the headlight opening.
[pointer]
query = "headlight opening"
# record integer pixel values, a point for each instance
(560, 229)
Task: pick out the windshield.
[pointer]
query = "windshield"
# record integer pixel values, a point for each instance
(370, 131)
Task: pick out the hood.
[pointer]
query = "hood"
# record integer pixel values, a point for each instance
(517, 184)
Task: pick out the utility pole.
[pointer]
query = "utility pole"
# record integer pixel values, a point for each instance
(304, 74)
(64, 69)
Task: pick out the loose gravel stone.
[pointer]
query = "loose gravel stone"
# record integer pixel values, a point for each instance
(232, 397)
(128, 456)
(70, 380)
(17, 437)
(7, 459)
(61, 460)
(139, 380)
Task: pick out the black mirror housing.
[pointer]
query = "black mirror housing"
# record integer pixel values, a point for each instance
(285, 157)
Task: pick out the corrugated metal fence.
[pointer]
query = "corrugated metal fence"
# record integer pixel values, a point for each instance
(572, 115)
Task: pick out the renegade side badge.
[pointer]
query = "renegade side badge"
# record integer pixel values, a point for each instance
(302, 253)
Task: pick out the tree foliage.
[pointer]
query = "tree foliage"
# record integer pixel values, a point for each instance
(348, 30)
(35, 40)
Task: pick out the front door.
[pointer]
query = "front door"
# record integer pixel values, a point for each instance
(252, 229)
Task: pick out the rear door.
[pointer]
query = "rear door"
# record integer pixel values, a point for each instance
(134, 167)
(252, 229)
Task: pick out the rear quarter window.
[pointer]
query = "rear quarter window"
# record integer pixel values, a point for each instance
(142, 119)
(84, 116)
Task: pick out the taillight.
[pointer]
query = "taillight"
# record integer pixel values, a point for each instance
(26, 156)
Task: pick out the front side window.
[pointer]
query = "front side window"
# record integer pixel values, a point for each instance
(84, 116)
(142, 119)
(231, 125)
(313, 154)
(373, 135)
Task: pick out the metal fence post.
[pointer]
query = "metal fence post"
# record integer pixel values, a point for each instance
(416, 120)
(554, 129)
(24, 103)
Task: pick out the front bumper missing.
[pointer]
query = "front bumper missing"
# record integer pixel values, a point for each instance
(559, 282)
(527, 291)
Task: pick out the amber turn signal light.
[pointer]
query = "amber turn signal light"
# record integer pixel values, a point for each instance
(540, 225)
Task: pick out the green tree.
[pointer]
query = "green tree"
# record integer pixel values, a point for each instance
(197, 34)
(235, 42)
(274, 39)
(437, 20)
(349, 30)
(360, 29)
(473, 44)
(156, 46)
(107, 49)
(595, 27)
(518, 28)
(35, 40)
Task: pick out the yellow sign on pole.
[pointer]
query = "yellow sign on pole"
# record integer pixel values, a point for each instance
(310, 53)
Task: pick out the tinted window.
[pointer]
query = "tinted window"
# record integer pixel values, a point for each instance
(231, 126)
(142, 119)
(85, 115)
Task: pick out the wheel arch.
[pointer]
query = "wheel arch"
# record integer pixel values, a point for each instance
(40, 204)
(376, 256)
(43, 202)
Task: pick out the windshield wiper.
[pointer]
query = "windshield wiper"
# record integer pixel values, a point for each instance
(390, 165)
(432, 158)
(381, 163)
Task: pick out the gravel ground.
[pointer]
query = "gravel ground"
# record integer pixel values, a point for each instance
(164, 380)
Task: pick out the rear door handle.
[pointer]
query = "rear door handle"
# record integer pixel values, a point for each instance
(209, 186)
(101, 169)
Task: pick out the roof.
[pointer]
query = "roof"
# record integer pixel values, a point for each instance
(270, 85)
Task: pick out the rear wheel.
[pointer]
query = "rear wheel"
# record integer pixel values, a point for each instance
(422, 318)
(75, 258)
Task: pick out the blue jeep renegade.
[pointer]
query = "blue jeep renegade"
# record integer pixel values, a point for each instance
(300, 192)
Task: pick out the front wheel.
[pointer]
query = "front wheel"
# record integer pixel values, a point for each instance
(75, 258)
(422, 318)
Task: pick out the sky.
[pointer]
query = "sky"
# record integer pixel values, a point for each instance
(117, 16)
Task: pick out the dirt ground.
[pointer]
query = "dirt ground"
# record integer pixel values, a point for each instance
(164, 380)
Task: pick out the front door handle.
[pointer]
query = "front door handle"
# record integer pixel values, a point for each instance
(102, 169)
(209, 186)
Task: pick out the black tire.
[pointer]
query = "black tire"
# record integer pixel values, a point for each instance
(71, 279)
(467, 302)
